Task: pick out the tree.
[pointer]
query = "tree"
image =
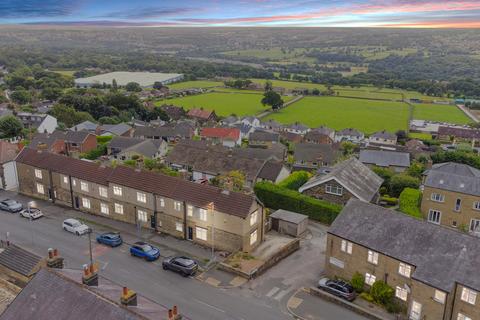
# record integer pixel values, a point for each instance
(21, 96)
(401, 181)
(272, 99)
(68, 115)
(114, 85)
(268, 86)
(233, 181)
(10, 127)
(401, 135)
(158, 85)
(51, 93)
(316, 92)
(133, 87)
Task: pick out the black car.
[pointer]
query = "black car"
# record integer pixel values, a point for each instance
(183, 265)
(338, 288)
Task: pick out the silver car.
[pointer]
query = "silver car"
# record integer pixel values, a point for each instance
(10, 205)
(75, 226)
(31, 213)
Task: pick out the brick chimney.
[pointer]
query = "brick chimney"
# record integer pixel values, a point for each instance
(54, 260)
(129, 297)
(90, 275)
(173, 314)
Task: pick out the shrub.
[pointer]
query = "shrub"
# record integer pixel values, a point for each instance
(295, 180)
(366, 296)
(389, 200)
(358, 281)
(395, 307)
(130, 163)
(381, 292)
(410, 202)
(276, 197)
(402, 181)
(104, 139)
(101, 150)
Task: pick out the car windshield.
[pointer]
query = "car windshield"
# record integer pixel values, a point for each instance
(10, 202)
(76, 224)
(146, 247)
(186, 262)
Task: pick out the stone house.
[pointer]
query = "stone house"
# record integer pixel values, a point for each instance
(149, 148)
(228, 137)
(298, 128)
(263, 139)
(348, 179)
(183, 209)
(456, 134)
(397, 161)
(71, 143)
(349, 134)
(322, 135)
(312, 156)
(202, 116)
(433, 270)
(451, 196)
(383, 137)
(41, 122)
(272, 125)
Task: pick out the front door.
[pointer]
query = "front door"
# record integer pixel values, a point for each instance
(416, 311)
(189, 233)
(153, 221)
(77, 202)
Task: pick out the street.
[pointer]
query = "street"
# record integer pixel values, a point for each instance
(263, 298)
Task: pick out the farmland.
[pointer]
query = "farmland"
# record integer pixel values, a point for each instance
(224, 104)
(195, 84)
(339, 113)
(441, 113)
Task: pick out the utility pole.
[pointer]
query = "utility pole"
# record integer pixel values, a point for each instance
(211, 206)
(90, 246)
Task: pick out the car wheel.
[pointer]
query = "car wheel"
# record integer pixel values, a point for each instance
(64, 228)
(164, 267)
(77, 233)
(184, 274)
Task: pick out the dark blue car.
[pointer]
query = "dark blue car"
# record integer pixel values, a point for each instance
(111, 239)
(144, 250)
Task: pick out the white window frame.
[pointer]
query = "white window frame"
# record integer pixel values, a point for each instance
(253, 237)
(118, 208)
(117, 191)
(104, 208)
(476, 205)
(404, 269)
(189, 210)
(201, 233)
(162, 202)
(437, 197)
(202, 214)
(253, 218)
(461, 316)
(86, 203)
(346, 246)
(142, 215)
(469, 295)
(458, 206)
(401, 293)
(74, 182)
(474, 225)
(439, 296)
(84, 186)
(372, 257)
(38, 173)
(333, 189)
(103, 192)
(40, 188)
(65, 179)
(370, 279)
(177, 205)
(141, 197)
(179, 226)
(434, 213)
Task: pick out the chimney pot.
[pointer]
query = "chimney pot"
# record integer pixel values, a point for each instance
(175, 311)
(125, 291)
(55, 252)
(92, 268)
(170, 314)
(85, 270)
(50, 253)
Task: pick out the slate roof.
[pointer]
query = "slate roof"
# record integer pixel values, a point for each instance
(85, 125)
(298, 126)
(243, 127)
(76, 136)
(384, 158)
(260, 135)
(324, 130)
(465, 133)
(270, 170)
(454, 177)
(442, 256)
(116, 129)
(174, 112)
(272, 124)
(349, 132)
(353, 176)
(315, 136)
(181, 130)
(19, 260)
(289, 216)
(230, 120)
(199, 113)
(8, 151)
(276, 151)
(290, 136)
(316, 151)
(123, 142)
(147, 148)
(43, 138)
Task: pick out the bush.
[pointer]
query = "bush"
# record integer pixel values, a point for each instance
(101, 150)
(295, 180)
(366, 296)
(381, 292)
(468, 158)
(358, 281)
(402, 181)
(130, 163)
(276, 197)
(395, 307)
(410, 200)
(104, 139)
(389, 200)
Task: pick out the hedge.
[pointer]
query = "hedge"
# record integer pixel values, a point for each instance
(295, 180)
(276, 197)
(410, 202)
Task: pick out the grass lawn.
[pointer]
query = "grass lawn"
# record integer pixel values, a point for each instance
(441, 113)
(224, 104)
(195, 84)
(339, 113)
(291, 84)
(420, 136)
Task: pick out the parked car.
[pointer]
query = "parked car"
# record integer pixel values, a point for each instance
(338, 288)
(144, 250)
(183, 265)
(31, 213)
(112, 239)
(75, 226)
(10, 205)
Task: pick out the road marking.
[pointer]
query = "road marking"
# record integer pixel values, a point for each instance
(209, 305)
(281, 294)
(105, 265)
(273, 291)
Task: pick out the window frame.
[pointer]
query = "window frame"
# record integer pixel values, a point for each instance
(329, 189)
(84, 186)
(141, 197)
(399, 292)
(189, 210)
(440, 198)
(142, 215)
(104, 208)
(177, 206)
(404, 269)
(372, 257)
(253, 218)
(434, 212)
(162, 202)
(118, 208)
(441, 293)
(65, 179)
(38, 174)
(202, 230)
(202, 214)
(476, 205)
(179, 226)
(369, 277)
(87, 202)
(103, 192)
(468, 295)
(346, 246)
(253, 237)
(117, 190)
(458, 205)
(40, 188)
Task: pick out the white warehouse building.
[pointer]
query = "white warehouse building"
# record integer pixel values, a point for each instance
(144, 79)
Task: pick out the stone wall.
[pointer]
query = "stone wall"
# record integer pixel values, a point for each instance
(320, 193)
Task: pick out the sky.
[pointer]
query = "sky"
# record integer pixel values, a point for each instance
(267, 13)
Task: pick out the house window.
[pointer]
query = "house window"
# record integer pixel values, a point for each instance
(434, 216)
(333, 189)
(103, 192)
(437, 197)
(401, 293)
(253, 218)
(475, 225)
(253, 237)
(372, 257)
(177, 205)
(84, 186)
(404, 269)
(469, 295)
(203, 214)
(65, 179)
(104, 208)
(38, 173)
(142, 216)
(117, 190)
(141, 197)
(74, 182)
(118, 208)
(476, 205)
(179, 226)
(370, 279)
(40, 188)
(162, 202)
(86, 203)
(461, 316)
(189, 210)
(201, 233)
(439, 296)
(458, 204)
(346, 246)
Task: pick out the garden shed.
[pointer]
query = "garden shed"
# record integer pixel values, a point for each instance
(288, 222)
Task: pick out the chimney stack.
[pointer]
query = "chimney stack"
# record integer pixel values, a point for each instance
(54, 260)
(90, 276)
(173, 314)
(129, 297)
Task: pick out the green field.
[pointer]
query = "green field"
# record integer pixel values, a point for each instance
(65, 72)
(441, 113)
(420, 136)
(224, 104)
(339, 113)
(195, 84)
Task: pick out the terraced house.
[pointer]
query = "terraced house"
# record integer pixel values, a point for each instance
(433, 270)
(451, 196)
(203, 214)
